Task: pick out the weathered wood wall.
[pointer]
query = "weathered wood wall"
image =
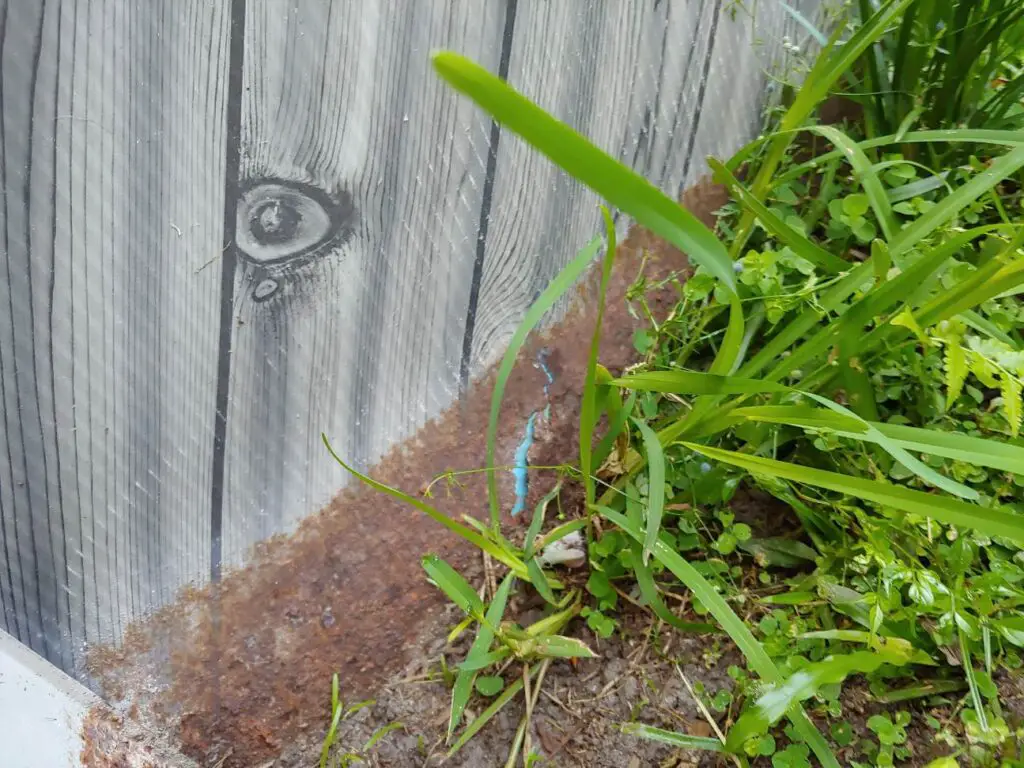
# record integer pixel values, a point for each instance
(229, 226)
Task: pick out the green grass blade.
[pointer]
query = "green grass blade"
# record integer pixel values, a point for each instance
(994, 521)
(757, 658)
(606, 176)
(972, 681)
(692, 382)
(950, 135)
(540, 580)
(865, 172)
(983, 452)
(561, 647)
(561, 532)
(554, 291)
(801, 245)
(455, 587)
(481, 645)
(696, 383)
(772, 705)
(918, 188)
(488, 714)
(467, 533)
(950, 206)
(582, 160)
(655, 487)
(588, 408)
(919, 468)
(332, 732)
(379, 734)
(538, 519)
(649, 592)
(923, 690)
(673, 738)
(645, 579)
(537, 576)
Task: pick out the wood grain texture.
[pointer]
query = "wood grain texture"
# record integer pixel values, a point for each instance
(111, 141)
(362, 337)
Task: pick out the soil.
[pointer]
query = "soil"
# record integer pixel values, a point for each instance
(577, 719)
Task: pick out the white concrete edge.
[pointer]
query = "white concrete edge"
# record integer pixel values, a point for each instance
(41, 710)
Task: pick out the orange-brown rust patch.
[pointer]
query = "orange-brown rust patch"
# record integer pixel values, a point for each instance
(241, 669)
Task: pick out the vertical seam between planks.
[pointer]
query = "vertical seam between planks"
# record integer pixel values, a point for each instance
(232, 165)
(3, 388)
(64, 644)
(712, 37)
(27, 186)
(485, 203)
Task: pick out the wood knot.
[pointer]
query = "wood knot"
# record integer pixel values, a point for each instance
(280, 221)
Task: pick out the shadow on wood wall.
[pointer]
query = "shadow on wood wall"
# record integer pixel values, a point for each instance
(230, 226)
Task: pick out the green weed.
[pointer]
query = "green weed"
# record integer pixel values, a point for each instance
(334, 756)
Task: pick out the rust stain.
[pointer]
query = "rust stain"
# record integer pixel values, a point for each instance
(239, 670)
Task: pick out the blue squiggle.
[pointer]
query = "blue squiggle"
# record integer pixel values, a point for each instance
(519, 471)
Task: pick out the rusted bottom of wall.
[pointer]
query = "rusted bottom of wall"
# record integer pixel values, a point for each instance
(235, 672)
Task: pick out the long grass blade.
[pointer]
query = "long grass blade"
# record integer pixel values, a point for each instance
(983, 452)
(481, 645)
(693, 382)
(588, 408)
(655, 486)
(950, 206)
(865, 172)
(582, 160)
(455, 587)
(772, 705)
(948, 135)
(467, 533)
(605, 175)
(801, 244)
(673, 738)
(994, 521)
(488, 714)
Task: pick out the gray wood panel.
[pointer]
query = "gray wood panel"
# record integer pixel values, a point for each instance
(112, 139)
(361, 337)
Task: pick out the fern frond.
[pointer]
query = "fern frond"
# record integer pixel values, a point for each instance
(956, 371)
(1013, 409)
